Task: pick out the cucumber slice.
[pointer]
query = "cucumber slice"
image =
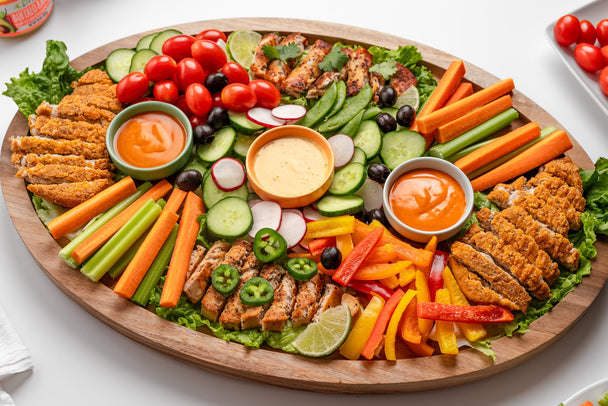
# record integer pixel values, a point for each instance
(333, 206)
(140, 59)
(118, 63)
(369, 138)
(242, 144)
(242, 124)
(219, 147)
(399, 146)
(359, 156)
(212, 194)
(348, 180)
(144, 42)
(157, 42)
(230, 218)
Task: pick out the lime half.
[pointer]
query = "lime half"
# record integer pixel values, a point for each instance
(241, 46)
(324, 336)
(410, 97)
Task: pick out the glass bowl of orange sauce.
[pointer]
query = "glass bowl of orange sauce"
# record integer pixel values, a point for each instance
(427, 196)
(150, 140)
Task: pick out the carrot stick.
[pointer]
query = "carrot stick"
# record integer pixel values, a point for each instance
(86, 248)
(85, 211)
(175, 200)
(499, 147)
(470, 120)
(186, 238)
(463, 90)
(543, 151)
(444, 115)
(139, 265)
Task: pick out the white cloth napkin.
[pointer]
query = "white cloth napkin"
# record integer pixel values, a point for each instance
(14, 356)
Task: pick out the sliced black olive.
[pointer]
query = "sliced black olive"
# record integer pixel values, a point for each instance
(217, 117)
(331, 258)
(188, 180)
(203, 134)
(386, 122)
(216, 82)
(406, 115)
(378, 172)
(387, 96)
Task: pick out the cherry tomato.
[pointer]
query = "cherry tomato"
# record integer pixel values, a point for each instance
(189, 71)
(166, 91)
(605, 53)
(182, 105)
(589, 57)
(197, 120)
(604, 80)
(212, 35)
(266, 93)
(235, 72)
(160, 67)
(566, 30)
(209, 54)
(601, 31)
(132, 87)
(198, 99)
(238, 97)
(216, 98)
(178, 47)
(587, 33)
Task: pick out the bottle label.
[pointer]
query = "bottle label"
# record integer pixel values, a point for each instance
(22, 16)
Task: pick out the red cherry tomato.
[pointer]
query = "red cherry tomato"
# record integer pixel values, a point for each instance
(589, 57)
(601, 31)
(198, 99)
(132, 87)
(182, 105)
(189, 71)
(166, 91)
(266, 93)
(235, 73)
(212, 35)
(216, 98)
(197, 120)
(238, 97)
(178, 47)
(566, 30)
(160, 67)
(587, 33)
(605, 53)
(209, 54)
(604, 80)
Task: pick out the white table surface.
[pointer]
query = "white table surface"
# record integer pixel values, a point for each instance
(80, 360)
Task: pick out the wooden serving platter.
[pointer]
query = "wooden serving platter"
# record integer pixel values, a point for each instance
(278, 368)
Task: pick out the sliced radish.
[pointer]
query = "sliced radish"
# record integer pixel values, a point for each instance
(311, 214)
(253, 201)
(228, 174)
(264, 117)
(266, 214)
(371, 193)
(289, 112)
(343, 147)
(293, 227)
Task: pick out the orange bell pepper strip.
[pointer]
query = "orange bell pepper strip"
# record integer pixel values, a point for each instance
(484, 314)
(380, 271)
(357, 338)
(446, 337)
(431, 245)
(393, 325)
(353, 261)
(409, 331)
(382, 254)
(344, 244)
(390, 282)
(330, 227)
(422, 349)
(375, 338)
(423, 296)
(407, 275)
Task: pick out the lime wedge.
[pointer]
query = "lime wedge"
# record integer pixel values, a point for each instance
(410, 97)
(241, 46)
(324, 336)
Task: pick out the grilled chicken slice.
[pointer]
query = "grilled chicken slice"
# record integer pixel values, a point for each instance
(31, 160)
(278, 70)
(377, 82)
(69, 194)
(282, 305)
(305, 73)
(64, 129)
(231, 315)
(357, 68)
(309, 292)
(252, 315)
(354, 305)
(197, 255)
(332, 297)
(196, 284)
(57, 173)
(403, 79)
(38, 145)
(324, 81)
(565, 169)
(260, 61)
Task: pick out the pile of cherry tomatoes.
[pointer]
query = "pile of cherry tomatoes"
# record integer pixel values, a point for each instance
(569, 30)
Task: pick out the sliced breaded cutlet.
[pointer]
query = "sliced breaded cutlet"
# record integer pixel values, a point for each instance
(565, 169)
(48, 174)
(30, 160)
(560, 188)
(65, 129)
(69, 194)
(40, 146)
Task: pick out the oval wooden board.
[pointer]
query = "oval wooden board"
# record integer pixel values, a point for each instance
(277, 368)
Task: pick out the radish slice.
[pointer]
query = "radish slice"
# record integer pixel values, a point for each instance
(293, 227)
(264, 117)
(289, 112)
(253, 201)
(266, 214)
(228, 174)
(343, 147)
(371, 193)
(311, 214)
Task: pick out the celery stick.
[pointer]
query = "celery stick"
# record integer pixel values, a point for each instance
(117, 269)
(120, 242)
(158, 267)
(466, 151)
(66, 252)
(483, 130)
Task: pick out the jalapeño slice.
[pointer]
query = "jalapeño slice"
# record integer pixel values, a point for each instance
(268, 245)
(256, 291)
(225, 279)
(301, 269)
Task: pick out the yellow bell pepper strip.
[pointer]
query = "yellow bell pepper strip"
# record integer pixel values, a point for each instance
(377, 334)
(362, 329)
(472, 331)
(371, 288)
(407, 275)
(391, 331)
(485, 314)
(353, 261)
(390, 282)
(316, 246)
(440, 261)
(344, 243)
(446, 337)
(330, 227)
(409, 331)
(382, 254)
(423, 296)
(431, 245)
(380, 271)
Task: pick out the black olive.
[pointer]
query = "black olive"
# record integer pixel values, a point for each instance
(406, 115)
(378, 214)
(331, 257)
(188, 180)
(361, 215)
(216, 82)
(387, 96)
(378, 172)
(386, 122)
(217, 117)
(203, 134)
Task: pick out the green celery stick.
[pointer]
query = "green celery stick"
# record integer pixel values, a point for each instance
(117, 269)
(466, 151)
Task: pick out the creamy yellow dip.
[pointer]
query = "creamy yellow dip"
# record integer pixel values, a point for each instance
(290, 166)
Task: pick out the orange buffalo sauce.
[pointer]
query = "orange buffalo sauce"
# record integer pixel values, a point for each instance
(150, 139)
(427, 199)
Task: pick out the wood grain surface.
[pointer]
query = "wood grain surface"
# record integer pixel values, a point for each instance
(277, 368)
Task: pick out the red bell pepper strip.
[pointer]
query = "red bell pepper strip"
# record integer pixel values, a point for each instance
(317, 245)
(464, 314)
(369, 287)
(353, 261)
(440, 261)
(375, 338)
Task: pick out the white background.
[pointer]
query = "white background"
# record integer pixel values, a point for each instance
(80, 360)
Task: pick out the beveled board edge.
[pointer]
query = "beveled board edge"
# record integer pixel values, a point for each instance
(277, 368)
